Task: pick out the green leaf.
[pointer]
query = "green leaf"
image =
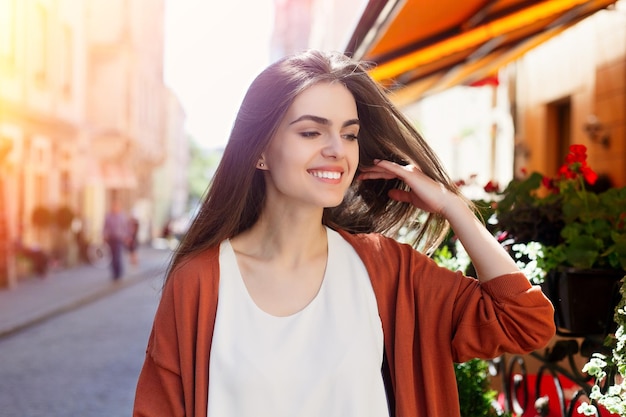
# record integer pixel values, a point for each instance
(619, 251)
(582, 251)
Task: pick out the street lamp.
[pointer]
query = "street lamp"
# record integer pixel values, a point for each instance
(596, 131)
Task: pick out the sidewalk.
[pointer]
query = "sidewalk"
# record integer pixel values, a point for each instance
(36, 299)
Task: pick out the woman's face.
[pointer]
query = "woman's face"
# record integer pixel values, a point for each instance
(314, 154)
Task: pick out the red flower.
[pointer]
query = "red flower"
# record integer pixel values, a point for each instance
(565, 171)
(549, 184)
(491, 187)
(578, 152)
(576, 164)
(588, 174)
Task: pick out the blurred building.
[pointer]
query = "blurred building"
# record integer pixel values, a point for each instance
(292, 25)
(321, 24)
(85, 114)
(572, 89)
(170, 184)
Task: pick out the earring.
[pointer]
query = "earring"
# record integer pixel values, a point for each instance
(261, 164)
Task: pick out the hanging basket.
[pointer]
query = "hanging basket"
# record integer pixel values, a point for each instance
(584, 300)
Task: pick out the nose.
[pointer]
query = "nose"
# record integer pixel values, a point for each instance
(334, 147)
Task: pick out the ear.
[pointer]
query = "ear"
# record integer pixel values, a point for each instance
(261, 164)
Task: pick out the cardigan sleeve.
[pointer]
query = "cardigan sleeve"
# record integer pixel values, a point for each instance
(482, 320)
(503, 315)
(159, 387)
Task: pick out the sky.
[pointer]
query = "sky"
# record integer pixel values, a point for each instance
(213, 51)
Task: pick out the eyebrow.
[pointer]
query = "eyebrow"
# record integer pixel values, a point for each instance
(324, 121)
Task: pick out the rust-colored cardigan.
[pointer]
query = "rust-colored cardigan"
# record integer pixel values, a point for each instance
(431, 317)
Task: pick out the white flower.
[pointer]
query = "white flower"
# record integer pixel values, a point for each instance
(614, 390)
(595, 394)
(595, 366)
(587, 409)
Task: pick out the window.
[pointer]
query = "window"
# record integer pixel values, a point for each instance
(65, 182)
(65, 179)
(67, 58)
(40, 43)
(7, 34)
(40, 189)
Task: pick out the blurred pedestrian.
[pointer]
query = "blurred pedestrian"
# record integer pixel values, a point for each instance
(289, 294)
(116, 235)
(133, 240)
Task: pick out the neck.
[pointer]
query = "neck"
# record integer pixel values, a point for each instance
(284, 237)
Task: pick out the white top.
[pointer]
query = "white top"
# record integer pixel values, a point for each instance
(323, 361)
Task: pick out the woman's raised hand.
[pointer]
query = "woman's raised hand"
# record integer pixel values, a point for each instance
(425, 193)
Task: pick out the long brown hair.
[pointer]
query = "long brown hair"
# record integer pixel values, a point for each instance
(236, 194)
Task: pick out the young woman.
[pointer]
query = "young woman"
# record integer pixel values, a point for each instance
(289, 295)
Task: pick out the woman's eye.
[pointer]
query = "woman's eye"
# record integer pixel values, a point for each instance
(309, 134)
(351, 136)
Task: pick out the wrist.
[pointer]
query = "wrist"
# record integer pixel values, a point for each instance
(455, 207)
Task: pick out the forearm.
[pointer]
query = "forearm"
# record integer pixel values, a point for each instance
(488, 257)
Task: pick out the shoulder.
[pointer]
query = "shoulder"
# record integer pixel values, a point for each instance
(190, 291)
(192, 261)
(363, 239)
(372, 244)
(387, 259)
(383, 255)
(195, 269)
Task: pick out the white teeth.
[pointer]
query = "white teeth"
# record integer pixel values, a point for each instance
(327, 174)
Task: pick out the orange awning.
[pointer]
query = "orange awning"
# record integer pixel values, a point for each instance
(421, 47)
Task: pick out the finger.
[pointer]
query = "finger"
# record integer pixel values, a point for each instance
(372, 169)
(382, 169)
(400, 195)
(400, 170)
(376, 175)
(376, 172)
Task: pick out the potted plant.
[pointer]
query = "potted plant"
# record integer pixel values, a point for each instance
(609, 370)
(581, 235)
(577, 226)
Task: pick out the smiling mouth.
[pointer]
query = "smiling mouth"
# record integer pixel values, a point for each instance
(331, 175)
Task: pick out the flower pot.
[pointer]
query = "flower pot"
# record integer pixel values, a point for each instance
(584, 300)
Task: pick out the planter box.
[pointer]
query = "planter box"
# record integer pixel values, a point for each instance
(584, 300)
